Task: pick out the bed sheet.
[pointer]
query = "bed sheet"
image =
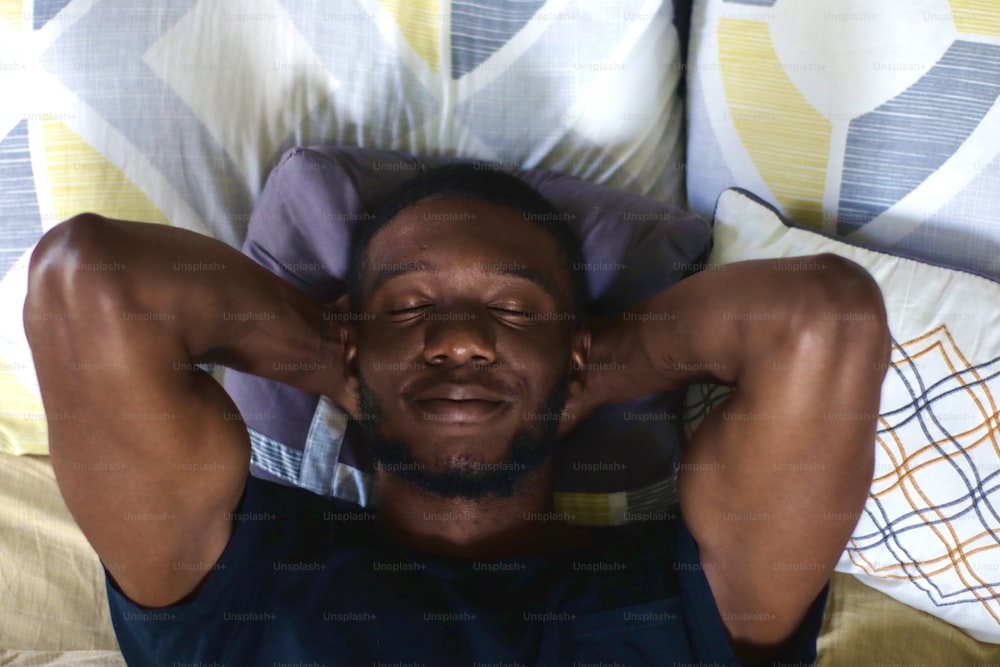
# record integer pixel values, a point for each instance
(51, 581)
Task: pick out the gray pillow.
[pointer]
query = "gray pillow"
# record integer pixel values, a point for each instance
(301, 228)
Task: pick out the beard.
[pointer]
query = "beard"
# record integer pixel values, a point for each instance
(527, 450)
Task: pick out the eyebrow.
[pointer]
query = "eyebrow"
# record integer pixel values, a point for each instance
(386, 273)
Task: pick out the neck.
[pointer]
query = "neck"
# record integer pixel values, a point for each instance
(488, 528)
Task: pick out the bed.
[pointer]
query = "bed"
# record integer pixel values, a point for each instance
(872, 133)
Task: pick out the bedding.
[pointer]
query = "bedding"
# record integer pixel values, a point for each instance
(879, 122)
(175, 114)
(83, 658)
(51, 581)
(633, 247)
(863, 626)
(928, 535)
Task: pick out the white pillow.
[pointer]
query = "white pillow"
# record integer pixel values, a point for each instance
(929, 535)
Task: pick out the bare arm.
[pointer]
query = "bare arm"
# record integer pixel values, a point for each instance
(148, 450)
(768, 477)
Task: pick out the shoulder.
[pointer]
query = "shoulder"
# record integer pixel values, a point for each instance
(271, 522)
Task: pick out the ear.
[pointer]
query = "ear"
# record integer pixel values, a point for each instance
(579, 352)
(345, 390)
(578, 405)
(349, 350)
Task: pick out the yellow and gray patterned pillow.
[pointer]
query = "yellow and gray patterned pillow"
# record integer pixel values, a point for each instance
(876, 121)
(176, 112)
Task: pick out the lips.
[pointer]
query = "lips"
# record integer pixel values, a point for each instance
(458, 402)
(443, 410)
(449, 391)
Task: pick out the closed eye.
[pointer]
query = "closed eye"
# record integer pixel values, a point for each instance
(522, 314)
(411, 309)
(517, 313)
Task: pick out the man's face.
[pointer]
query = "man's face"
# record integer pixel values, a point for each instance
(463, 372)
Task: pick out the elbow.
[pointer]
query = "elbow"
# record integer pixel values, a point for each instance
(57, 270)
(844, 303)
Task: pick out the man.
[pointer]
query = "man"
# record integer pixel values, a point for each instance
(471, 300)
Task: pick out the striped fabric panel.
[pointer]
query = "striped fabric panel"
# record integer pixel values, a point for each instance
(591, 509)
(305, 468)
(480, 29)
(20, 220)
(653, 501)
(275, 457)
(892, 149)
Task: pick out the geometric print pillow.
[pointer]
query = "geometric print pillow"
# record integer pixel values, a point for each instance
(929, 534)
(875, 121)
(176, 112)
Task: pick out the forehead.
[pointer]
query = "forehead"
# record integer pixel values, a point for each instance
(451, 231)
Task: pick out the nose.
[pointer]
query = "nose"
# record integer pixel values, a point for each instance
(458, 336)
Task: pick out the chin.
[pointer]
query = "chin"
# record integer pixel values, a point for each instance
(472, 461)
(461, 450)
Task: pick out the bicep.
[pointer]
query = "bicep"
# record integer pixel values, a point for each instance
(773, 480)
(707, 325)
(771, 505)
(146, 448)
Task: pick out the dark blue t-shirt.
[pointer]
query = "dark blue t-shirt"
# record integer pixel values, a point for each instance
(310, 581)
